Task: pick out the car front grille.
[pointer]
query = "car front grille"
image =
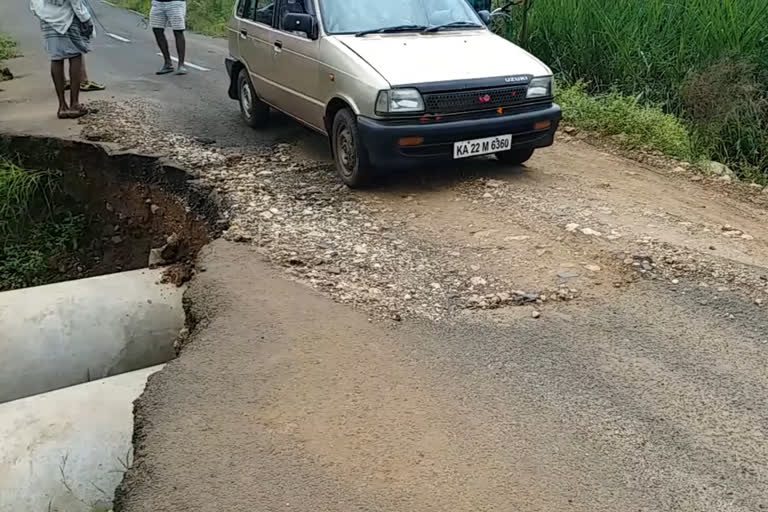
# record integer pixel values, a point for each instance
(474, 99)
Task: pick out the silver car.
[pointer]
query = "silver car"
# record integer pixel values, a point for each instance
(390, 82)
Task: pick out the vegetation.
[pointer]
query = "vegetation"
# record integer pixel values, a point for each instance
(35, 233)
(703, 61)
(204, 16)
(7, 50)
(632, 125)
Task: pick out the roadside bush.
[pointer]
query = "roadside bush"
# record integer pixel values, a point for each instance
(727, 105)
(208, 17)
(7, 47)
(643, 47)
(630, 123)
(34, 232)
(701, 60)
(7, 50)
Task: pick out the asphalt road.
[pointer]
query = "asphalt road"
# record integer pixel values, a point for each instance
(646, 399)
(287, 401)
(196, 104)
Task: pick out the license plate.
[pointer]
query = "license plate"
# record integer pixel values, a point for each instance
(467, 148)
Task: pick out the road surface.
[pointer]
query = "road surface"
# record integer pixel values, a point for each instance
(194, 104)
(645, 389)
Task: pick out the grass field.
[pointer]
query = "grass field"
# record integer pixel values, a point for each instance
(35, 232)
(705, 61)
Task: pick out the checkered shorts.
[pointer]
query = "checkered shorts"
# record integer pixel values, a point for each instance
(168, 14)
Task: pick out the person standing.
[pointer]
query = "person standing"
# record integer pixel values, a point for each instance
(169, 14)
(86, 84)
(67, 29)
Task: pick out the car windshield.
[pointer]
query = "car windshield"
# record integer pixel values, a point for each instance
(355, 16)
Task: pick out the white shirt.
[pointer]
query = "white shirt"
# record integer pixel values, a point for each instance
(60, 13)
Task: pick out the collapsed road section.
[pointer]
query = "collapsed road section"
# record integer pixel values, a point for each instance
(95, 252)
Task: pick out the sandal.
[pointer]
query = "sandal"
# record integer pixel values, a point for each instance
(71, 114)
(88, 86)
(164, 70)
(91, 86)
(87, 110)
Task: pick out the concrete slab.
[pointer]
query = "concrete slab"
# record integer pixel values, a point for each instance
(66, 450)
(77, 331)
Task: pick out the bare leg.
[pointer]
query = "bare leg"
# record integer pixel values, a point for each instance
(83, 72)
(75, 77)
(181, 45)
(57, 74)
(162, 42)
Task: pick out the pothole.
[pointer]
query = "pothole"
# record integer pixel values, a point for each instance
(106, 211)
(83, 317)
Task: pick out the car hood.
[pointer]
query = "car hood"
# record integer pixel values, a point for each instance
(422, 58)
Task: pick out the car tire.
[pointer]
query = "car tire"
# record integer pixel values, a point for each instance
(349, 155)
(254, 111)
(515, 156)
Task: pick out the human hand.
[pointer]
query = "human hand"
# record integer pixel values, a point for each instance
(88, 29)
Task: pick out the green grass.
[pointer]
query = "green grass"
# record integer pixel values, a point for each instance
(7, 48)
(645, 47)
(705, 61)
(630, 123)
(35, 233)
(208, 17)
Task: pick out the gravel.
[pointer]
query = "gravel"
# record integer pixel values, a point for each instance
(351, 246)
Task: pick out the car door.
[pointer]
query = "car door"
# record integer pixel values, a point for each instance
(256, 36)
(297, 68)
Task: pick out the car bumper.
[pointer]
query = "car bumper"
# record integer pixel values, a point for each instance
(381, 138)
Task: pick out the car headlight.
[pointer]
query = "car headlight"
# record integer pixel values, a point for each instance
(399, 101)
(540, 87)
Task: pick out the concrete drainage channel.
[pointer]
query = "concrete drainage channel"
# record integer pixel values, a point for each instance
(76, 351)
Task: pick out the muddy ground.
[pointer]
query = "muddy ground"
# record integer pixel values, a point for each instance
(586, 333)
(129, 204)
(575, 223)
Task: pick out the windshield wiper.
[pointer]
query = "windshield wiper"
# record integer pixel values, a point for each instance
(455, 24)
(391, 30)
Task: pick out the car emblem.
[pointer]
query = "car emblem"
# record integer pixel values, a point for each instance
(484, 99)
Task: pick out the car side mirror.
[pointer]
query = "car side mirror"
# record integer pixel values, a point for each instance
(301, 22)
(485, 16)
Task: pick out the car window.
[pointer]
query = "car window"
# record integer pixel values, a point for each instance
(291, 6)
(481, 5)
(260, 11)
(348, 17)
(241, 8)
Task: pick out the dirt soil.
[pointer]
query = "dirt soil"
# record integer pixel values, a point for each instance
(583, 333)
(126, 214)
(575, 223)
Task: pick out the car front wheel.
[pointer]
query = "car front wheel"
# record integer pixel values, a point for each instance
(350, 156)
(255, 112)
(515, 156)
